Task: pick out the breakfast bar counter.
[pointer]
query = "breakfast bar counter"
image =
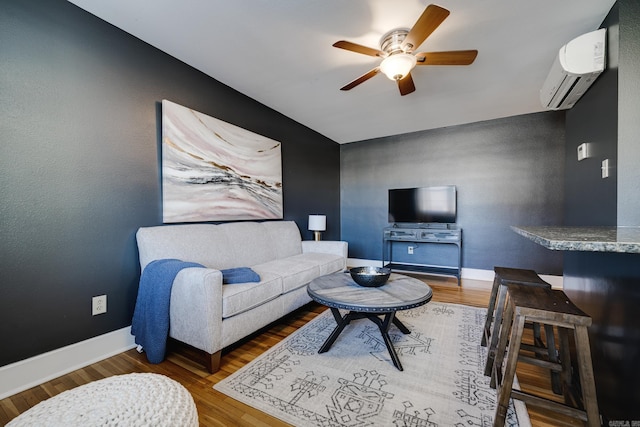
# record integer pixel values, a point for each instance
(601, 269)
(586, 239)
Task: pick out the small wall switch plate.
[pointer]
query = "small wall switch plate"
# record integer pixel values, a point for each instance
(605, 168)
(583, 151)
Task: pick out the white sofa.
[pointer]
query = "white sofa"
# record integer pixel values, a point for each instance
(210, 316)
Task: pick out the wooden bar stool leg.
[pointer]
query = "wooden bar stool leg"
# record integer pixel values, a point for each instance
(490, 310)
(537, 335)
(565, 360)
(556, 380)
(502, 335)
(505, 384)
(587, 381)
(498, 321)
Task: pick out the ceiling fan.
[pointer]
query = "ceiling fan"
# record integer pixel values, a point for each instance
(397, 47)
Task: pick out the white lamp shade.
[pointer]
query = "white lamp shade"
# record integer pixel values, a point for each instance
(317, 222)
(397, 66)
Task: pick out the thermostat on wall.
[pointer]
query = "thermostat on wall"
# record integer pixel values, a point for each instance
(583, 151)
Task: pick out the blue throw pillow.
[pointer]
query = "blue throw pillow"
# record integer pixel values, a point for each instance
(239, 275)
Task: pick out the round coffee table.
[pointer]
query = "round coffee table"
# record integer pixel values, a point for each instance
(339, 291)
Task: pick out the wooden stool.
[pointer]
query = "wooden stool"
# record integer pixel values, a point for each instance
(547, 307)
(505, 277)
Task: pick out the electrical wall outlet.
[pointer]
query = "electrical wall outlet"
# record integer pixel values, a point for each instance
(98, 305)
(410, 250)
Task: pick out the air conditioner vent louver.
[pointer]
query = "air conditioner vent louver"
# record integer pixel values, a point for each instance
(574, 70)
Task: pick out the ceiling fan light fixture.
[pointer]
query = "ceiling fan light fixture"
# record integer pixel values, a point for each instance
(397, 51)
(397, 66)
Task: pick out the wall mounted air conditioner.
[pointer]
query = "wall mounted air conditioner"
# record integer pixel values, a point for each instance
(576, 67)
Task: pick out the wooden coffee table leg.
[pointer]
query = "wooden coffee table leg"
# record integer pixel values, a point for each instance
(400, 325)
(342, 322)
(384, 330)
(384, 325)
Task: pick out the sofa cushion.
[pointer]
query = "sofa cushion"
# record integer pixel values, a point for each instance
(205, 244)
(295, 272)
(327, 263)
(242, 297)
(250, 245)
(285, 238)
(221, 246)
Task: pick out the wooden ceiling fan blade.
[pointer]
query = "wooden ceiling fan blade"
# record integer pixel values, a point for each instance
(452, 57)
(430, 19)
(358, 48)
(406, 85)
(363, 78)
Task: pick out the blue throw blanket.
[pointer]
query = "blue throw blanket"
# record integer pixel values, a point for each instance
(150, 323)
(239, 275)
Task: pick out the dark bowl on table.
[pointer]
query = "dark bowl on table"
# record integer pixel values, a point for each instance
(371, 277)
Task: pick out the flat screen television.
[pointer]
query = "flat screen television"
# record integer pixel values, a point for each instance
(423, 205)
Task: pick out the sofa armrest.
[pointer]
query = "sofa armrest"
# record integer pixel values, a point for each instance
(336, 247)
(196, 308)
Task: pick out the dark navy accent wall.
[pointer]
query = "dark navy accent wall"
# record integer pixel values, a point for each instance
(591, 200)
(79, 167)
(607, 287)
(508, 172)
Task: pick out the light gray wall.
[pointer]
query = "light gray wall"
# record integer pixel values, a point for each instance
(508, 172)
(629, 115)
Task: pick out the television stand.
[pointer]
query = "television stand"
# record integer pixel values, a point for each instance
(449, 234)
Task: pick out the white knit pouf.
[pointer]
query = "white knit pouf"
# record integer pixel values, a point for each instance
(122, 400)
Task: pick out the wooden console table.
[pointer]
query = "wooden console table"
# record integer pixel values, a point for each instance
(449, 235)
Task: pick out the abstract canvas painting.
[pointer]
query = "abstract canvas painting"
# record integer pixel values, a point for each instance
(215, 171)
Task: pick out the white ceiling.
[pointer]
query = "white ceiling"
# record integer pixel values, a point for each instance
(279, 53)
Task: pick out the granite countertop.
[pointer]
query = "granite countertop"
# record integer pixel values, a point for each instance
(587, 239)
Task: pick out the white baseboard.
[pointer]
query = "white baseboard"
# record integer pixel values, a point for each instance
(22, 375)
(477, 274)
(467, 273)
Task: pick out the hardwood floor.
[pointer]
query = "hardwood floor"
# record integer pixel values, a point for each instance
(216, 409)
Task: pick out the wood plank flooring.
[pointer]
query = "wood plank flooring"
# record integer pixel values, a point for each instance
(216, 409)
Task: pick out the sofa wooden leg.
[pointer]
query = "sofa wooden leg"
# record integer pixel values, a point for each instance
(212, 361)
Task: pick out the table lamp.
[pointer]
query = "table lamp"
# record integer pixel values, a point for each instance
(317, 223)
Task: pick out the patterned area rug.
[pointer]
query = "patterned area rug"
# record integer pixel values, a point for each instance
(356, 384)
